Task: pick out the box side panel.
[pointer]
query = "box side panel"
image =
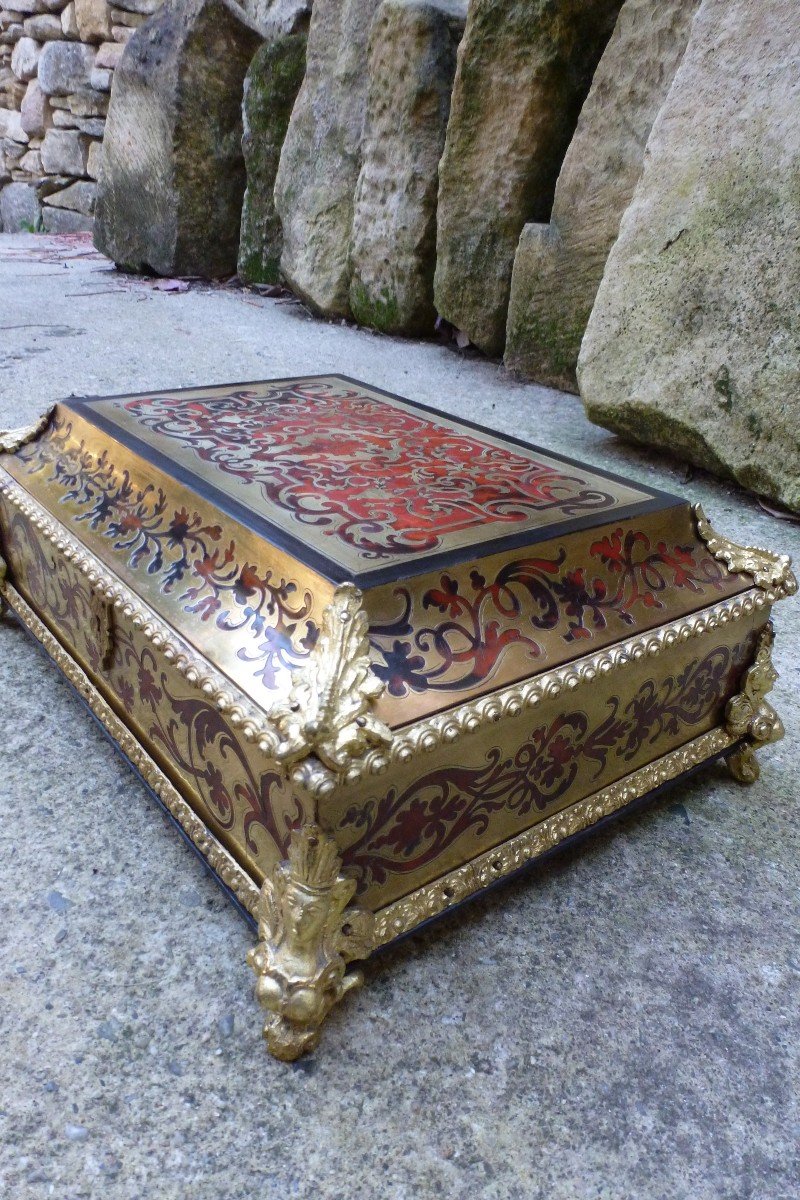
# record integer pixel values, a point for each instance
(446, 807)
(245, 605)
(227, 780)
(440, 639)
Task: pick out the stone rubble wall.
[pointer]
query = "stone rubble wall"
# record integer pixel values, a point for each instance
(57, 60)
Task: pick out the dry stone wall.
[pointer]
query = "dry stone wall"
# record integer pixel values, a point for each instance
(57, 61)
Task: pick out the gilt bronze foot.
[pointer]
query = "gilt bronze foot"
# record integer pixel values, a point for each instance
(748, 714)
(307, 935)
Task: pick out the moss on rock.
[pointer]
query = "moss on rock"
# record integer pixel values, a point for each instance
(524, 69)
(694, 340)
(270, 90)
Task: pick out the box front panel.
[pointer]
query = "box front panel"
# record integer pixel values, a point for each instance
(226, 779)
(457, 801)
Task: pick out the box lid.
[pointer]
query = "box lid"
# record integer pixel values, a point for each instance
(235, 511)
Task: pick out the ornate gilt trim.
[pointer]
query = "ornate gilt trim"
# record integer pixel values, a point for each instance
(306, 936)
(435, 898)
(14, 439)
(219, 859)
(448, 727)
(749, 715)
(771, 572)
(329, 709)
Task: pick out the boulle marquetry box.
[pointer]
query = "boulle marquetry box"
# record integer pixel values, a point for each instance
(373, 659)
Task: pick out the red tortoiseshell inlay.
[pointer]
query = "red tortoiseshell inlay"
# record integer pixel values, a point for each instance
(362, 477)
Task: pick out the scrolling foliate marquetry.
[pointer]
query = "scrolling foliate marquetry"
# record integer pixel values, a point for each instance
(541, 762)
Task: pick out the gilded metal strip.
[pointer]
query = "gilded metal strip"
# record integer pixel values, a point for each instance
(435, 898)
(221, 862)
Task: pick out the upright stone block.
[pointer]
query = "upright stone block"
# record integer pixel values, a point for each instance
(524, 70)
(35, 111)
(394, 226)
(558, 266)
(270, 90)
(170, 191)
(693, 342)
(321, 157)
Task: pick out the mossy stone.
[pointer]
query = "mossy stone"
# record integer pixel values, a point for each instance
(270, 90)
(524, 69)
(393, 247)
(558, 266)
(694, 341)
(170, 194)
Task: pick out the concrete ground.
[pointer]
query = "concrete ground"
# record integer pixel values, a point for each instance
(623, 1025)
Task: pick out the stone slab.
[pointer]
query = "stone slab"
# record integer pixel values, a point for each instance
(170, 194)
(393, 248)
(558, 266)
(321, 156)
(270, 90)
(693, 342)
(524, 69)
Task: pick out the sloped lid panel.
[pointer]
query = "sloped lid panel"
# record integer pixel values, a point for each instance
(441, 639)
(243, 604)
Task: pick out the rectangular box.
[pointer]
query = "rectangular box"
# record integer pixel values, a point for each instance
(370, 657)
